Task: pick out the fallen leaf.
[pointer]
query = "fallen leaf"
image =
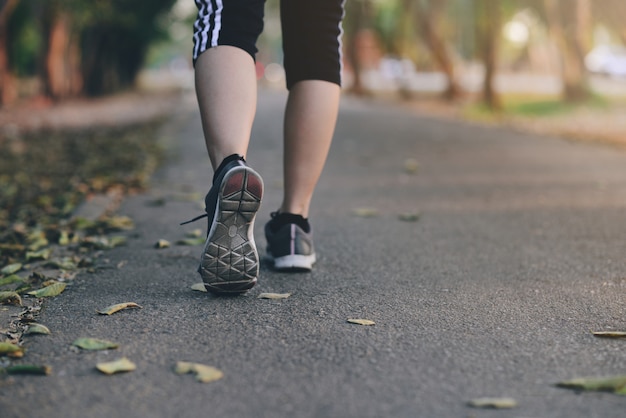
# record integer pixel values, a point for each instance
(109, 310)
(11, 350)
(117, 241)
(14, 278)
(49, 291)
(365, 212)
(361, 321)
(409, 216)
(38, 255)
(615, 384)
(411, 165)
(274, 295)
(495, 403)
(94, 344)
(10, 298)
(119, 223)
(11, 268)
(196, 233)
(116, 366)
(29, 369)
(610, 334)
(162, 243)
(36, 328)
(191, 241)
(200, 287)
(65, 263)
(204, 374)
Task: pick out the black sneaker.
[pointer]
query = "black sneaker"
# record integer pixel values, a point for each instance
(290, 244)
(229, 261)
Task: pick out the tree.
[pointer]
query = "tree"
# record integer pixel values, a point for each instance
(569, 24)
(7, 87)
(488, 26)
(428, 17)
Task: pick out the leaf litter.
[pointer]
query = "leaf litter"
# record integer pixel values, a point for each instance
(204, 373)
(53, 289)
(116, 366)
(493, 403)
(366, 322)
(614, 384)
(110, 310)
(94, 344)
(609, 334)
(274, 295)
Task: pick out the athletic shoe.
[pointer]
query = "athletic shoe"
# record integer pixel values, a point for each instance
(290, 245)
(229, 261)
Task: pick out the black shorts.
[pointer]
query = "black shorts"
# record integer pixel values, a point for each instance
(311, 33)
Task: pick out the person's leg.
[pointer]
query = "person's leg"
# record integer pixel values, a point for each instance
(311, 40)
(224, 46)
(227, 96)
(311, 32)
(310, 118)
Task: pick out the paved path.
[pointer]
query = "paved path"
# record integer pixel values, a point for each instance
(518, 254)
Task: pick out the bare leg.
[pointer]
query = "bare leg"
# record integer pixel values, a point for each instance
(310, 118)
(227, 95)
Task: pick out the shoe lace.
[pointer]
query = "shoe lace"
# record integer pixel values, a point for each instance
(204, 215)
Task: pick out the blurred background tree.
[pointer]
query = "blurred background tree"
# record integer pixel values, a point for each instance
(459, 49)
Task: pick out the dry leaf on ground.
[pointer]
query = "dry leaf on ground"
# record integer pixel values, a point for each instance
(191, 241)
(117, 366)
(200, 287)
(361, 321)
(11, 350)
(162, 243)
(110, 310)
(13, 278)
(274, 295)
(51, 290)
(610, 334)
(409, 216)
(495, 403)
(365, 212)
(35, 328)
(94, 344)
(10, 298)
(615, 384)
(11, 268)
(411, 165)
(204, 374)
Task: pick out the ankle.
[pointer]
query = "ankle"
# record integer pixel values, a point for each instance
(280, 219)
(225, 162)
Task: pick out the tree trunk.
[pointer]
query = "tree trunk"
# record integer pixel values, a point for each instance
(62, 73)
(569, 24)
(8, 90)
(428, 20)
(488, 27)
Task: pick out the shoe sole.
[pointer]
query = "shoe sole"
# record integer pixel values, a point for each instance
(295, 263)
(230, 262)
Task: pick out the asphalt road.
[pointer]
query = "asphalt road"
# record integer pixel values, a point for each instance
(517, 255)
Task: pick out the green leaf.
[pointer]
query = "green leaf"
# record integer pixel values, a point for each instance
(117, 366)
(10, 298)
(204, 374)
(29, 369)
(11, 268)
(35, 328)
(94, 344)
(615, 384)
(409, 216)
(38, 255)
(110, 310)
(52, 290)
(14, 278)
(191, 241)
(10, 349)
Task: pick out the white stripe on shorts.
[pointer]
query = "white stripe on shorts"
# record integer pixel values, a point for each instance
(206, 33)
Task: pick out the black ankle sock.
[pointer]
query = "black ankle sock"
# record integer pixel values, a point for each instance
(279, 219)
(230, 158)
